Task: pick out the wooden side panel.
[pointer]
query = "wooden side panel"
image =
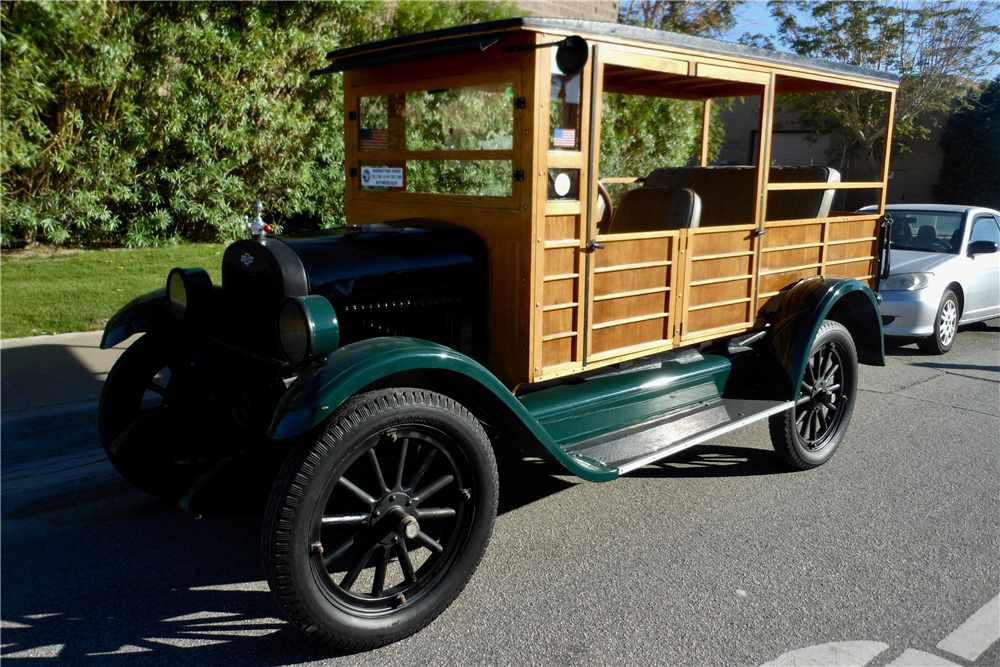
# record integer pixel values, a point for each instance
(718, 296)
(789, 253)
(509, 314)
(798, 249)
(633, 294)
(561, 295)
(852, 248)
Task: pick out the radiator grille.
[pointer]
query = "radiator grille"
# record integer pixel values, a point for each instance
(251, 301)
(438, 318)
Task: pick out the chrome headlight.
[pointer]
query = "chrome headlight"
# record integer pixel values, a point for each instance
(307, 328)
(189, 293)
(906, 282)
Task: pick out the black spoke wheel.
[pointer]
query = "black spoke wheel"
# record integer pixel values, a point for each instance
(158, 446)
(376, 523)
(808, 435)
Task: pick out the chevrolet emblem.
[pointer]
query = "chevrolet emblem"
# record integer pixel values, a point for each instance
(247, 259)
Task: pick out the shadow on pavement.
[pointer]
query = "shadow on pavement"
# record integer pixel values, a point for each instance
(716, 461)
(49, 374)
(959, 367)
(907, 347)
(132, 580)
(102, 574)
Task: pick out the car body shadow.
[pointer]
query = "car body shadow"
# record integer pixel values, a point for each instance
(109, 575)
(906, 346)
(715, 461)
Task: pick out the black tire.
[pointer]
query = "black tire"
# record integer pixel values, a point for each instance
(333, 511)
(140, 432)
(945, 326)
(810, 433)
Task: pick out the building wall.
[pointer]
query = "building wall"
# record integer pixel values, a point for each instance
(912, 174)
(590, 10)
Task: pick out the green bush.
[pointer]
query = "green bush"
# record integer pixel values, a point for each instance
(139, 123)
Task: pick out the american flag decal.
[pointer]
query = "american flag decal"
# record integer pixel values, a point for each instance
(565, 138)
(373, 139)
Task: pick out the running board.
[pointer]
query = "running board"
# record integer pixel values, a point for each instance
(637, 446)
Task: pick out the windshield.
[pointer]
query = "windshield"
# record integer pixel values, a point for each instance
(927, 231)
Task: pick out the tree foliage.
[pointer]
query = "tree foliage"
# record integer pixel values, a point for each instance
(704, 18)
(935, 47)
(970, 172)
(138, 123)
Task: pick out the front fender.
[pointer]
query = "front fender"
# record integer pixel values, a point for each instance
(133, 317)
(320, 389)
(807, 304)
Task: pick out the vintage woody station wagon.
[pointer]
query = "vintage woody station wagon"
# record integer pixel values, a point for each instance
(540, 256)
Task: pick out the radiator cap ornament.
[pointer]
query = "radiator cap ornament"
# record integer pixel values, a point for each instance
(258, 227)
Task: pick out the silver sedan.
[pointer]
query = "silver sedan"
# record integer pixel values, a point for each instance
(944, 271)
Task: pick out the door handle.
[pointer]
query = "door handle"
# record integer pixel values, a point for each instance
(593, 245)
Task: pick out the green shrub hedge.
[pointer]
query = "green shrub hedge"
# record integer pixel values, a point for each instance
(138, 123)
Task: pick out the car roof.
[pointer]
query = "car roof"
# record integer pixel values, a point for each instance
(416, 46)
(933, 208)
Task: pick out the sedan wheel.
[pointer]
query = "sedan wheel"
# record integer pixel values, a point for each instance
(945, 326)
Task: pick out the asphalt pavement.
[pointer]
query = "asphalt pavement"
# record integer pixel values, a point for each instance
(887, 555)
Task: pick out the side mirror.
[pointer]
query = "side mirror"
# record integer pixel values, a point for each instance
(572, 55)
(982, 248)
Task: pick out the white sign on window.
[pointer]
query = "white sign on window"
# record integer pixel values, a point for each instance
(382, 177)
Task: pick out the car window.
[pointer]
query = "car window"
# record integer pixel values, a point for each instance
(927, 231)
(985, 229)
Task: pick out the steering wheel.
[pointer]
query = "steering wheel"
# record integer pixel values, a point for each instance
(609, 209)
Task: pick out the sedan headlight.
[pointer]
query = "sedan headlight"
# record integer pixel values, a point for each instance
(307, 328)
(189, 293)
(906, 282)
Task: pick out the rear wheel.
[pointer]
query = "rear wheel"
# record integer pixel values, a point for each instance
(945, 326)
(808, 435)
(376, 524)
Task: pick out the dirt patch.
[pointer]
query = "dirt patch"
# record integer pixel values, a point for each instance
(39, 251)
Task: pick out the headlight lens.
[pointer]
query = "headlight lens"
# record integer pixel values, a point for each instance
(177, 294)
(906, 282)
(307, 328)
(189, 293)
(294, 331)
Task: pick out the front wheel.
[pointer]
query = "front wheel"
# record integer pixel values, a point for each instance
(137, 423)
(945, 326)
(808, 435)
(376, 523)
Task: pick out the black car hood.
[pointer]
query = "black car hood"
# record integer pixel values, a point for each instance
(382, 259)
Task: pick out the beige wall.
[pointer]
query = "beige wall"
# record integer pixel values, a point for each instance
(591, 10)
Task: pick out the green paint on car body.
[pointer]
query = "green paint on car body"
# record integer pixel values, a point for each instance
(571, 413)
(807, 305)
(320, 389)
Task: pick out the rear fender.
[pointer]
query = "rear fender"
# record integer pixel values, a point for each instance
(320, 389)
(802, 311)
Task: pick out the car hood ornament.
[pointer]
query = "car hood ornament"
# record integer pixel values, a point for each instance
(258, 227)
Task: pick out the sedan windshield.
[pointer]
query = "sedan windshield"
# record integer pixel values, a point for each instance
(927, 231)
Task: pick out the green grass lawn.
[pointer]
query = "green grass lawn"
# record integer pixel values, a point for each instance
(81, 290)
